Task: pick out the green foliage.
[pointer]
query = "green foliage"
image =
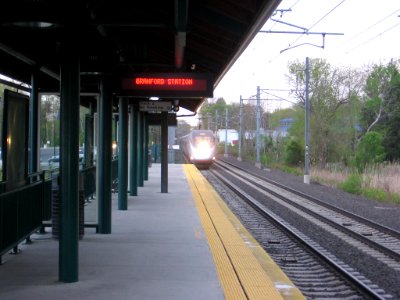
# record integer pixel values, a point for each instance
(265, 159)
(381, 110)
(369, 150)
(395, 198)
(333, 94)
(280, 114)
(287, 169)
(376, 194)
(353, 184)
(294, 153)
(232, 150)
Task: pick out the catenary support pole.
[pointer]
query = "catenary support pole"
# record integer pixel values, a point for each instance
(307, 153)
(216, 121)
(240, 128)
(258, 117)
(226, 133)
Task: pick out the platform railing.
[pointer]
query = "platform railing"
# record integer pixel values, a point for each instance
(22, 210)
(114, 168)
(88, 176)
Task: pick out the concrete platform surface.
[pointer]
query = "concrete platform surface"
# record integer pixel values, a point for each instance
(157, 250)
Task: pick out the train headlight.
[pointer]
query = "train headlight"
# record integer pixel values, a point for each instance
(203, 150)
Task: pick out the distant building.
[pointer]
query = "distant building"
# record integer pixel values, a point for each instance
(283, 128)
(231, 135)
(280, 131)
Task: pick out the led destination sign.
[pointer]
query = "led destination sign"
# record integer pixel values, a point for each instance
(169, 82)
(168, 85)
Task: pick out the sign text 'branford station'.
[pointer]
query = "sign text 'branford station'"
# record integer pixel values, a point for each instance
(162, 81)
(168, 85)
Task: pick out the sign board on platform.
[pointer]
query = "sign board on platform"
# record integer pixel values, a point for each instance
(154, 106)
(168, 85)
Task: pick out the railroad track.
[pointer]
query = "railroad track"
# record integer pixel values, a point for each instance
(306, 264)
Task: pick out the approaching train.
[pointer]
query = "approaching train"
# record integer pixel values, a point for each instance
(199, 147)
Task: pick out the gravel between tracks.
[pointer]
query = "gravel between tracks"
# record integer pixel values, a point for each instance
(383, 213)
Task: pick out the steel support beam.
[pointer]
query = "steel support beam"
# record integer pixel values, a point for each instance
(33, 125)
(146, 148)
(104, 155)
(140, 147)
(123, 154)
(164, 152)
(69, 165)
(181, 16)
(133, 151)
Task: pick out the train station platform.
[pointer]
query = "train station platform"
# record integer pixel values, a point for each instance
(184, 244)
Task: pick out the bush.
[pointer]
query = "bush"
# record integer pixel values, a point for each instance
(294, 153)
(352, 184)
(369, 150)
(395, 198)
(376, 194)
(266, 159)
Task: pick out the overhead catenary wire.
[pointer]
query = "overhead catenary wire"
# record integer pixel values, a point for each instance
(281, 98)
(370, 27)
(306, 31)
(273, 25)
(374, 37)
(312, 26)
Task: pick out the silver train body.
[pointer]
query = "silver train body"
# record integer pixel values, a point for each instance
(199, 147)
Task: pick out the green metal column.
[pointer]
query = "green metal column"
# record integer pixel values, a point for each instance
(146, 148)
(133, 152)
(123, 154)
(33, 125)
(164, 152)
(104, 154)
(140, 149)
(114, 137)
(69, 166)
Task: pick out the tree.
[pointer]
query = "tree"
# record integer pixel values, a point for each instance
(49, 120)
(331, 89)
(381, 107)
(182, 129)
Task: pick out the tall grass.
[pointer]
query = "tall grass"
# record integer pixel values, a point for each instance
(380, 181)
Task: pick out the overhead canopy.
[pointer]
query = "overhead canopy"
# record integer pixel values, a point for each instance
(116, 38)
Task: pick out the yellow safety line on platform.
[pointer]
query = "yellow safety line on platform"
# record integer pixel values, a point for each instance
(240, 273)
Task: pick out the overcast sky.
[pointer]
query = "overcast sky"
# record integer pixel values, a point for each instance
(371, 31)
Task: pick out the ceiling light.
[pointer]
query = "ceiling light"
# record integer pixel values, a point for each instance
(32, 24)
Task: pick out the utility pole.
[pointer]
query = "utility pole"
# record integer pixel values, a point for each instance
(240, 128)
(216, 121)
(258, 162)
(307, 154)
(226, 132)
